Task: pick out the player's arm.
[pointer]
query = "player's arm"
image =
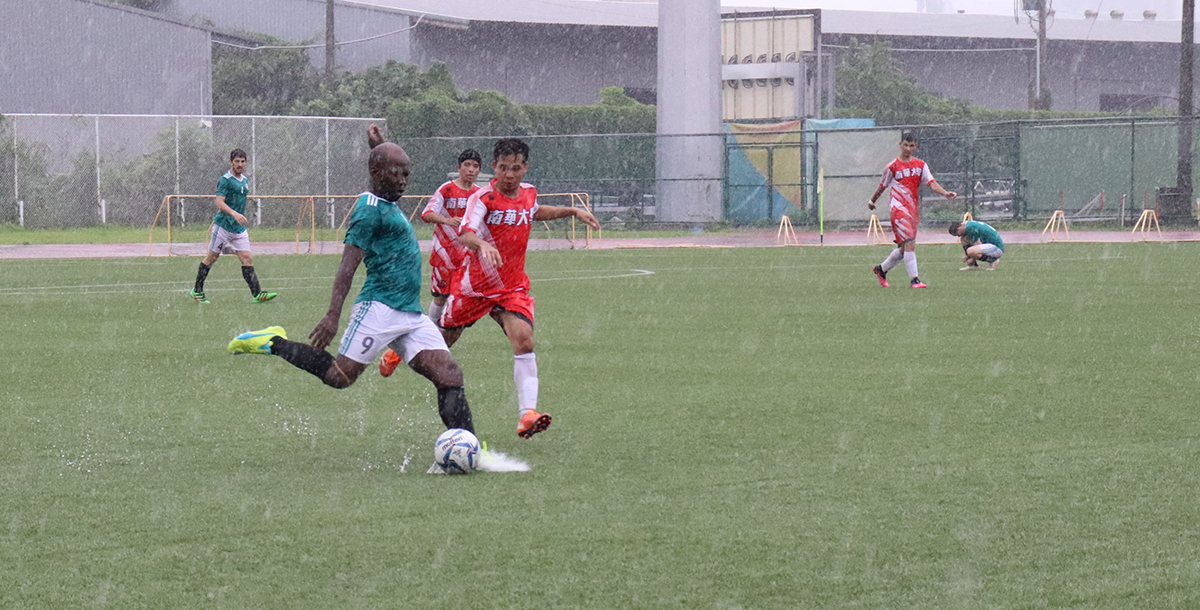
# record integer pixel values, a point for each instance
(221, 205)
(472, 222)
(374, 136)
(435, 218)
(486, 251)
(323, 334)
(937, 188)
(554, 212)
(927, 178)
(871, 202)
(432, 213)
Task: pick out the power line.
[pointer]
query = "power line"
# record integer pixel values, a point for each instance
(836, 46)
(321, 46)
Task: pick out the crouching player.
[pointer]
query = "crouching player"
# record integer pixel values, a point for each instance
(980, 242)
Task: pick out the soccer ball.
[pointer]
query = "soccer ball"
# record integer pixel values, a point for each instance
(456, 451)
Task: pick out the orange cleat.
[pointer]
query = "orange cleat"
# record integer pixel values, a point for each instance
(389, 362)
(531, 423)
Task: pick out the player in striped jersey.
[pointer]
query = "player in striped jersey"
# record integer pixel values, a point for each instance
(904, 176)
(492, 280)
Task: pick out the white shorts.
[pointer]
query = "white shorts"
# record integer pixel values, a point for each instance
(228, 242)
(991, 252)
(374, 326)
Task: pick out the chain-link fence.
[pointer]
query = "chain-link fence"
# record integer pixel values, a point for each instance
(78, 171)
(617, 171)
(72, 171)
(1103, 169)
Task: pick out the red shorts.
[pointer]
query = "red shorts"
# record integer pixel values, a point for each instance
(904, 224)
(465, 311)
(439, 279)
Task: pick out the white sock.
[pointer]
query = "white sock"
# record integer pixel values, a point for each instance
(525, 376)
(910, 264)
(435, 312)
(892, 259)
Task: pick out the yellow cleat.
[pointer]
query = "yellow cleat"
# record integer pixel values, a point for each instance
(256, 341)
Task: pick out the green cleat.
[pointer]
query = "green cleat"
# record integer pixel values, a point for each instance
(199, 296)
(263, 297)
(256, 341)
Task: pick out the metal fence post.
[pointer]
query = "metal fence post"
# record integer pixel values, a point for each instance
(182, 209)
(99, 201)
(253, 156)
(328, 200)
(16, 178)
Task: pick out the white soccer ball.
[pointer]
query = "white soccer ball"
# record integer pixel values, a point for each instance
(456, 451)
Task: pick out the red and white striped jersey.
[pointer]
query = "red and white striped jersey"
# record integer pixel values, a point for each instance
(450, 199)
(905, 179)
(505, 224)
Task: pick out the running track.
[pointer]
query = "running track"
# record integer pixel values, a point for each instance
(759, 239)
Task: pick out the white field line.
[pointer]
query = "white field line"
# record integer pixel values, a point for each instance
(118, 287)
(303, 284)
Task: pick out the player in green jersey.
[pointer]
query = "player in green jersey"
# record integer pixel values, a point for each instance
(980, 242)
(229, 230)
(387, 311)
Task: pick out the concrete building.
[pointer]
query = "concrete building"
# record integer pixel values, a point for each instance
(565, 51)
(1111, 62)
(87, 56)
(533, 51)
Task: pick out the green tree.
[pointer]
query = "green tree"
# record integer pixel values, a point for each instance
(873, 83)
(260, 81)
(371, 92)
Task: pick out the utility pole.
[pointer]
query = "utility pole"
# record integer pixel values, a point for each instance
(330, 43)
(1042, 100)
(1041, 92)
(1181, 210)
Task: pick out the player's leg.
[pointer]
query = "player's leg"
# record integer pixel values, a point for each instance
(340, 372)
(910, 264)
(987, 253)
(242, 247)
(881, 270)
(390, 359)
(436, 307)
(460, 314)
(903, 232)
(427, 354)
(440, 278)
(972, 263)
(337, 372)
(904, 227)
(201, 275)
(517, 321)
(372, 327)
(215, 244)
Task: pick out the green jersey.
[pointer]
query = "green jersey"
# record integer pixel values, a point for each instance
(983, 232)
(390, 251)
(234, 190)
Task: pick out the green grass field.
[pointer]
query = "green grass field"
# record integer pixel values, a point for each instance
(756, 428)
